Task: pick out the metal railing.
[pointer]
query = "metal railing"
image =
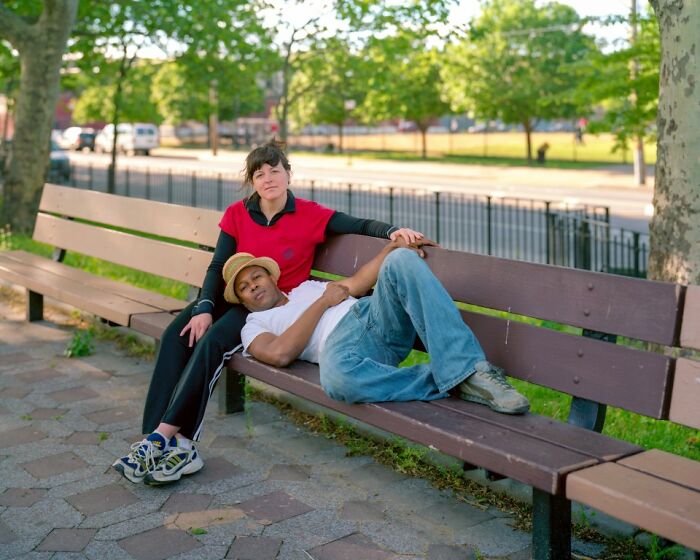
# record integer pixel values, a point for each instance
(517, 228)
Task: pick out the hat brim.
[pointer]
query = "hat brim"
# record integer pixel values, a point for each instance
(233, 270)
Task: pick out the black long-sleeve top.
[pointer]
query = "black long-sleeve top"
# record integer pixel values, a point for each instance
(213, 286)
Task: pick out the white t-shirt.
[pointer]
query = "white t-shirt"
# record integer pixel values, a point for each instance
(279, 319)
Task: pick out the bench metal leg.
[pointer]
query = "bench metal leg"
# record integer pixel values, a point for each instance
(35, 306)
(551, 526)
(231, 392)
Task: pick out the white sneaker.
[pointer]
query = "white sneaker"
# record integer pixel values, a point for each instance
(176, 462)
(142, 458)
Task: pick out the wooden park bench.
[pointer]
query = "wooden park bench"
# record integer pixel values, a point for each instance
(561, 461)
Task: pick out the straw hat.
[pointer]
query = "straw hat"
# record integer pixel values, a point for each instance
(238, 262)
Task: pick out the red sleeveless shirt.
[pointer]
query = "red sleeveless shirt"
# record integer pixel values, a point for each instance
(291, 240)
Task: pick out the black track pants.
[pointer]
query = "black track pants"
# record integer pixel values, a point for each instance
(184, 378)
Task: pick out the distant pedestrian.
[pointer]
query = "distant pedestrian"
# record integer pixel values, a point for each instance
(542, 153)
(580, 129)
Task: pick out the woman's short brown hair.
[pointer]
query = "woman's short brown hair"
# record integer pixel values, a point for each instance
(271, 153)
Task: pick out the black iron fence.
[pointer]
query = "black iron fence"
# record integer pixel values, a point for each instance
(516, 228)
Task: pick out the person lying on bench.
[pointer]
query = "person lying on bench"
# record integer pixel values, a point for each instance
(359, 343)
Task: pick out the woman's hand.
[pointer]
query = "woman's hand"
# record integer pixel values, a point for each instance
(197, 326)
(417, 246)
(408, 235)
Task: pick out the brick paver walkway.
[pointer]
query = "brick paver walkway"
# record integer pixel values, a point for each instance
(268, 490)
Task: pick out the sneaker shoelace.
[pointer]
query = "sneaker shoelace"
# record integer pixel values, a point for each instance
(498, 376)
(143, 453)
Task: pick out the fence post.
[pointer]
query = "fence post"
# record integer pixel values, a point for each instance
(391, 205)
(219, 193)
(193, 189)
(128, 182)
(488, 225)
(437, 217)
(635, 248)
(585, 245)
(170, 185)
(74, 169)
(547, 231)
(350, 198)
(148, 184)
(313, 192)
(90, 185)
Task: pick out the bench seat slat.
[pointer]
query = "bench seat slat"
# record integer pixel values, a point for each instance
(580, 366)
(151, 324)
(127, 291)
(531, 460)
(666, 466)
(646, 501)
(601, 302)
(158, 218)
(177, 262)
(109, 306)
(580, 440)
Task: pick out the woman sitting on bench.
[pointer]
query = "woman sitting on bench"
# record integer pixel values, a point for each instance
(271, 222)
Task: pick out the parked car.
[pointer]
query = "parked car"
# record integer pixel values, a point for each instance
(77, 138)
(132, 138)
(59, 165)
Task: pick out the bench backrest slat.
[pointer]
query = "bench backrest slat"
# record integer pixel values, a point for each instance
(690, 331)
(577, 365)
(184, 223)
(685, 400)
(628, 307)
(177, 262)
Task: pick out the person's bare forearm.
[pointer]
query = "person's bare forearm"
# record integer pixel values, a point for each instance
(285, 348)
(362, 281)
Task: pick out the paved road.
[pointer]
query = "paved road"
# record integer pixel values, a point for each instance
(613, 187)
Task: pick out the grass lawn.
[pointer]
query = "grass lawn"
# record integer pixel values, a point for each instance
(493, 148)
(620, 424)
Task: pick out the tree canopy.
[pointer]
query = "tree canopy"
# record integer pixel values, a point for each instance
(517, 64)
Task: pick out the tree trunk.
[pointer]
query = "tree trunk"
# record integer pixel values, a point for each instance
(424, 142)
(675, 227)
(41, 47)
(528, 138)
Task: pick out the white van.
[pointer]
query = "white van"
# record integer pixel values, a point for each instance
(133, 138)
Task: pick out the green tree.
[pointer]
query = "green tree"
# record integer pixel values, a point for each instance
(39, 32)
(518, 64)
(404, 81)
(96, 102)
(625, 83)
(675, 227)
(182, 88)
(332, 85)
(112, 36)
(301, 43)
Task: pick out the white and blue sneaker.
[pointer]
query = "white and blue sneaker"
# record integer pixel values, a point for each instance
(143, 457)
(177, 461)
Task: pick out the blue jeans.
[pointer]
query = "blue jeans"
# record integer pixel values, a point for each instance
(359, 362)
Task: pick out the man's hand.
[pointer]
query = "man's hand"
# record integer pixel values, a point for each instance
(335, 293)
(197, 326)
